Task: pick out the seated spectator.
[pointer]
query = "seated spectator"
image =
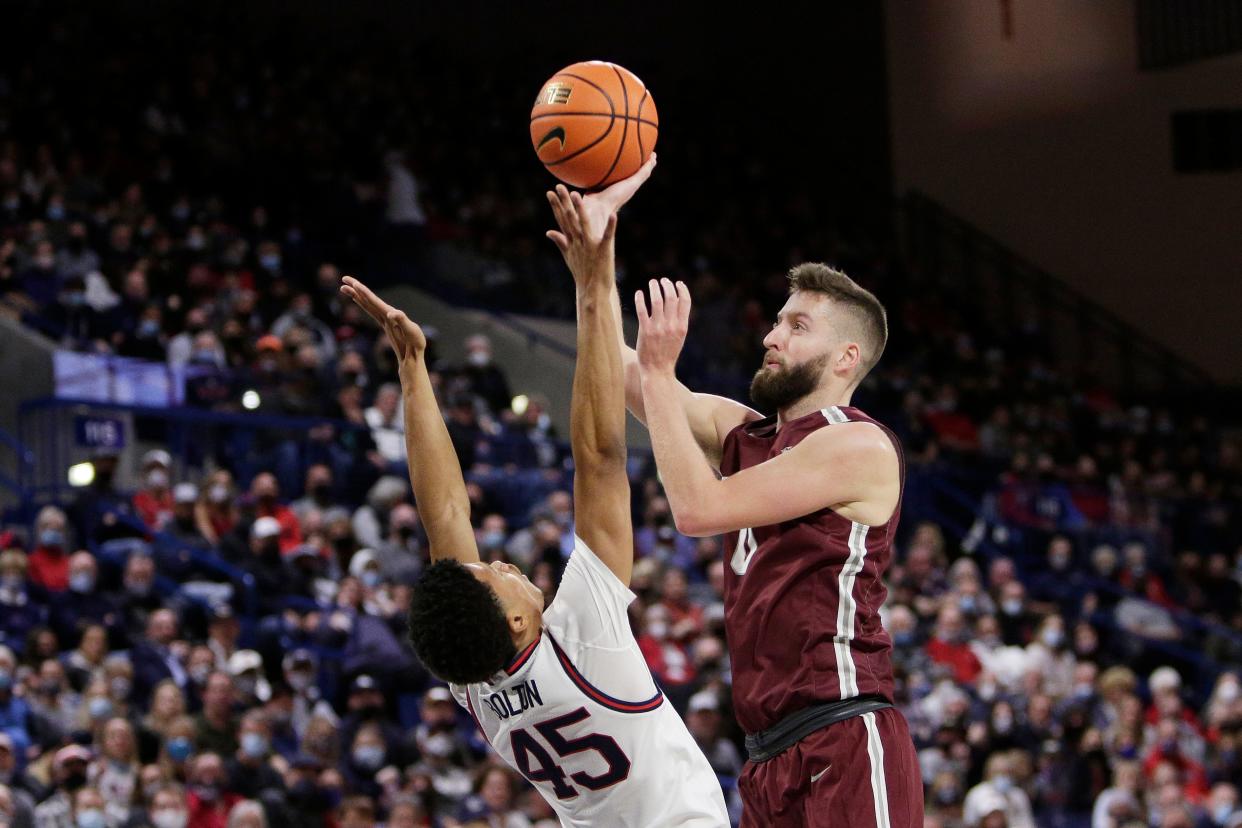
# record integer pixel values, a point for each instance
(88, 605)
(20, 611)
(154, 658)
(484, 379)
(400, 554)
(251, 774)
(115, 772)
(216, 514)
(948, 645)
(184, 525)
(998, 784)
(70, 796)
(209, 802)
(703, 720)
(153, 502)
(48, 565)
(215, 725)
(387, 423)
(264, 493)
(168, 808)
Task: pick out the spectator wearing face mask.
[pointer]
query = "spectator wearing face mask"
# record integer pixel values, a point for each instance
(87, 605)
(400, 554)
(249, 770)
(208, 800)
(59, 810)
(1049, 656)
(168, 807)
(216, 513)
(249, 684)
(998, 786)
(154, 502)
(49, 562)
(484, 378)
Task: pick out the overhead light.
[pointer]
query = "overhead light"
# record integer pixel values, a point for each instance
(81, 474)
(250, 400)
(520, 404)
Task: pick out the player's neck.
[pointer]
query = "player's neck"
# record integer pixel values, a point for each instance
(528, 637)
(815, 401)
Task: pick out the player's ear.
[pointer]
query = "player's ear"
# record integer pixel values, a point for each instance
(518, 623)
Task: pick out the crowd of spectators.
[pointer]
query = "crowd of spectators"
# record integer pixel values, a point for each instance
(216, 646)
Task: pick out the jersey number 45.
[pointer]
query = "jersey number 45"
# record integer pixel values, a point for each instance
(537, 765)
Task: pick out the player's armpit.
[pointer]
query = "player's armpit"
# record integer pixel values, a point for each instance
(851, 467)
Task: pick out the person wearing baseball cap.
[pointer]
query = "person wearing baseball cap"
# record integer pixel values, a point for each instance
(184, 525)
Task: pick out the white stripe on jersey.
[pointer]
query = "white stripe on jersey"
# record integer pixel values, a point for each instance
(847, 673)
(834, 414)
(879, 786)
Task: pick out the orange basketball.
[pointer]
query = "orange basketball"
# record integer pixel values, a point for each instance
(593, 123)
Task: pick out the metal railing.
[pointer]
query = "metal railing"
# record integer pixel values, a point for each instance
(1082, 338)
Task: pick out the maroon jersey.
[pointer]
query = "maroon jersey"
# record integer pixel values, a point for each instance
(802, 598)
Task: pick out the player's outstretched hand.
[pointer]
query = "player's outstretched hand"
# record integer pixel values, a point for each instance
(407, 338)
(588, 224)
(662, 329)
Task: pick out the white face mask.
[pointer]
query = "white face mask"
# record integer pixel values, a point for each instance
(169, 818)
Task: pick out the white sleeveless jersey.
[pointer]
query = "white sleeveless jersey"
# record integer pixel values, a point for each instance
(578, 714)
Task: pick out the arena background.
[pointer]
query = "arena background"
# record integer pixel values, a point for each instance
(1044, 194)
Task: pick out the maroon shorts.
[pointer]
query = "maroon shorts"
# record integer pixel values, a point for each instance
(861, 772)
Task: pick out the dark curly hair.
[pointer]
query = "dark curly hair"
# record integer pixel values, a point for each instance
(457, 626)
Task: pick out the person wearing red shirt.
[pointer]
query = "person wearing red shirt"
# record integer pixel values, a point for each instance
(154, 502)
(668, 660)
(685, 618)
(948, 645)
(49, 562)
(208, 802)
(265, 491)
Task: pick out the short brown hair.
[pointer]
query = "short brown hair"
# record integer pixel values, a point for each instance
(860, 304)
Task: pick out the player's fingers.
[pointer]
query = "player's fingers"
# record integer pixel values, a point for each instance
(365, 299)
(610, 229)
(559, 240)
(557, 213)
(580, 209)
(657, 300)
(671, 300)
(683, 294)
(567, 210)
(640, 308)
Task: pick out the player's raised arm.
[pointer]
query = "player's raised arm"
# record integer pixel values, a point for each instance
(597, 415)
(853, 466)
(439, 489)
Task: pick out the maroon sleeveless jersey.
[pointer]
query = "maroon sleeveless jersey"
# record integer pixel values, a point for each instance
(803, 597)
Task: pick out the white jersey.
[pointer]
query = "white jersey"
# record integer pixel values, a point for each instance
(579, 715)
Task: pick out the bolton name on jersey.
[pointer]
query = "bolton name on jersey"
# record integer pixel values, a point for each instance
(579, 715)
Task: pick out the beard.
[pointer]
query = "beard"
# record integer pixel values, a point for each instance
(772, 390)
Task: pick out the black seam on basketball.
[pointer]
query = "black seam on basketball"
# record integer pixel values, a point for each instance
(595, 115)
(638, 129)
(589, 82)
(625, 129)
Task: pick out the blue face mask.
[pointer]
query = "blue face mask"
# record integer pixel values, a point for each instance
(269, 262)
(100, 707)
(148, 328)
(55, 212)
(91, 818)
(369, 757)
(370, 579)
(179, 749)
(254, 745)
(51, 537)
(81, 582)
(6, 680)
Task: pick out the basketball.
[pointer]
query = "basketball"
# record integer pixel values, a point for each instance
(594, 123)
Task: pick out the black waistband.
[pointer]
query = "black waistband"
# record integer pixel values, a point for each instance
(795, 727)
